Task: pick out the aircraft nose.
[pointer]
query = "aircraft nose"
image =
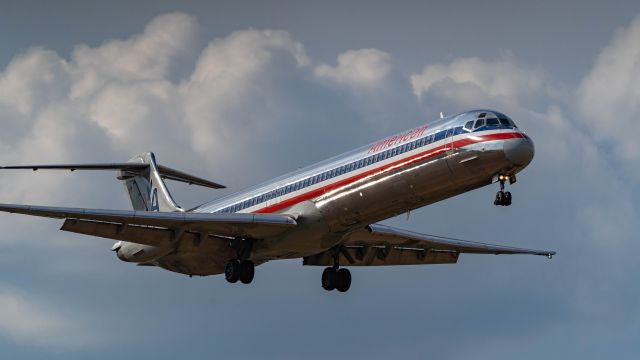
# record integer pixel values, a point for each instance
(519, 151)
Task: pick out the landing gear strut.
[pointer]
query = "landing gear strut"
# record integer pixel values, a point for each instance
(503, 198)
(240, 268)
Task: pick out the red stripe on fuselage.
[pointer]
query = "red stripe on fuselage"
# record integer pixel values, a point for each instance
(407, 161)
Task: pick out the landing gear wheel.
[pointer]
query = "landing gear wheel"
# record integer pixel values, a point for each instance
(343, 278)
(503, 198)
(247, 271)
(232, 271)
(329, 276)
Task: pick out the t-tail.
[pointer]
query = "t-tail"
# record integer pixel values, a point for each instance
(147, 191)
(143, 180)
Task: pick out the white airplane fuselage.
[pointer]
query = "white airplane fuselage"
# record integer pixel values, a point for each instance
(390, 177)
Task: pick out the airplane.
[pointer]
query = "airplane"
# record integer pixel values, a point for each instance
(327, 214)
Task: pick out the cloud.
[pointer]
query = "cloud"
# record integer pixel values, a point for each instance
(155, 91)
(358, 69)
(502, 78)
(167, 41)
(228, 90)
(34, 323)
(608, 99)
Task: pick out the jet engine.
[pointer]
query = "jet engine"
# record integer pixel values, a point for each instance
(138, 253)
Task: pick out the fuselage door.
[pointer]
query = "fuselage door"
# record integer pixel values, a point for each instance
(448, 141)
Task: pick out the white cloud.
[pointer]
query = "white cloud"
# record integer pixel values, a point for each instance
(501, 78)
(125, 97)
(226, 93)
(166, 40)
(359, 69)
(609, 96)
(27, 322)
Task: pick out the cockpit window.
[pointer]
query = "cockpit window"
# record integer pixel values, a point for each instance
(506, 121)
(479, 122)
(493, 121)
(482, 115)
(469, 125)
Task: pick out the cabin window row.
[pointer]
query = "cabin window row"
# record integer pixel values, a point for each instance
(344, 169)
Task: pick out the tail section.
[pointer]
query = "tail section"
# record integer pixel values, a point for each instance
(143, 180)
(146, 188)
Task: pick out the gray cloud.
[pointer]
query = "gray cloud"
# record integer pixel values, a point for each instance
(360, 69)
(609, 97)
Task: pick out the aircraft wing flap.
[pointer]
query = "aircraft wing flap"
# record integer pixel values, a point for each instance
(232, 225)
(144, 235)
(384, 245)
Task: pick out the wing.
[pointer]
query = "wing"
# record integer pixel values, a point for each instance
(158, 228)
(385, 245)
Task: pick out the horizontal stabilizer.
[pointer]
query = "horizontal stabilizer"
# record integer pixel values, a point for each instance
(128, 167)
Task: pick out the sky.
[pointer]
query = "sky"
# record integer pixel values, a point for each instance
(240, 92)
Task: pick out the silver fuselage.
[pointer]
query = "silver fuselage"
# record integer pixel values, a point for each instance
(381, 180)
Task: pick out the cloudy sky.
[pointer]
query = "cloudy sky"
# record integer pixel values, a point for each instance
(240, 92)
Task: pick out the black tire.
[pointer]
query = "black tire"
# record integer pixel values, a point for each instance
(247, 271)
(232, 271)
(507, 198)
(343, 278)
(329, 276)
(499, 198)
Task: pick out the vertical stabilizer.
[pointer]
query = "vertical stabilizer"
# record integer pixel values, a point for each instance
(146, 188)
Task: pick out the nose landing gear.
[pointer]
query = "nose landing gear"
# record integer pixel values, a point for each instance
(503, 198)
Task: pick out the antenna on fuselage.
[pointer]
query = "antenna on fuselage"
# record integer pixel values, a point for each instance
(441, 115)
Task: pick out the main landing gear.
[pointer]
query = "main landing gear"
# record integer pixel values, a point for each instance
(335, 278)
(240, 268)
(503, 198)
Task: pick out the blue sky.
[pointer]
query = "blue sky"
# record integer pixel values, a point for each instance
(240, 92)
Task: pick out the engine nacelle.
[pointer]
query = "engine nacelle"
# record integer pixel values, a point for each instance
(137, 253)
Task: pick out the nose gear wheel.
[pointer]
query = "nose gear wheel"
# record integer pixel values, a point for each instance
(503, 198)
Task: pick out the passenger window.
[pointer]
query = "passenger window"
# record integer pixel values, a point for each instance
(479, 123)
